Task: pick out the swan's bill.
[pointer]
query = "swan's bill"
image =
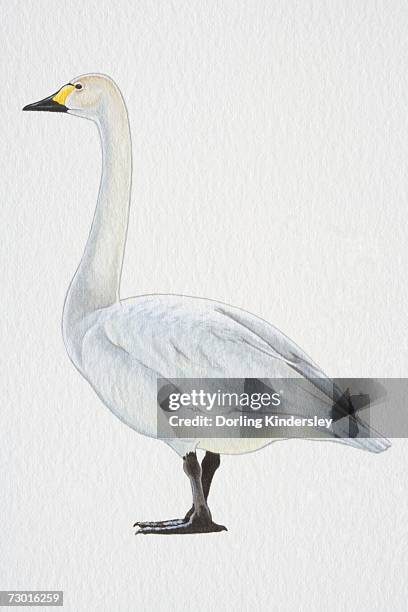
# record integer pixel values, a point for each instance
(54, 103)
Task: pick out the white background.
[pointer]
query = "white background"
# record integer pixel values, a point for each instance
(270, 155)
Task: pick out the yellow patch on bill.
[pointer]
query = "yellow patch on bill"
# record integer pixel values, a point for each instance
(63, 93)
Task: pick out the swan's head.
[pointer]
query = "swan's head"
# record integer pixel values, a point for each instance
(87, 96)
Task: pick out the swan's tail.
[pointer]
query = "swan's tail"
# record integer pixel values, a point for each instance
(349, 429)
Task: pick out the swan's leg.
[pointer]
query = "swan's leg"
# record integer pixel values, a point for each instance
(209, 466)
(200, 520)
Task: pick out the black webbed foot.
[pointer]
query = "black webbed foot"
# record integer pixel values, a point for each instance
(194, 524)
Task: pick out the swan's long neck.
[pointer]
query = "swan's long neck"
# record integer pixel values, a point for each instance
(96, 283)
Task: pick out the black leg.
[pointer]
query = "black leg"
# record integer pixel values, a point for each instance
(209, 466)
(200, 520)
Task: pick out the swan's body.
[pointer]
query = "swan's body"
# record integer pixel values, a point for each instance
(170, 336)
(123, 347)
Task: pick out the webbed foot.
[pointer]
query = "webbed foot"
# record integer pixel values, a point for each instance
(193, 524)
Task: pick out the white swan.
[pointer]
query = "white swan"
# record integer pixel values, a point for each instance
(122, 347)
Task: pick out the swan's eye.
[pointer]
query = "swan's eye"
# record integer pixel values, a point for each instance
(78, 86)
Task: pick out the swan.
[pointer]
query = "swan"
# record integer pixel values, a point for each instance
(122, 347)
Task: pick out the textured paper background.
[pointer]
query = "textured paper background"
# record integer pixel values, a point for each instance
(270, 156)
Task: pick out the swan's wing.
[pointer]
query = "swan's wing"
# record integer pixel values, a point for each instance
(174, 337)
(180, 337)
